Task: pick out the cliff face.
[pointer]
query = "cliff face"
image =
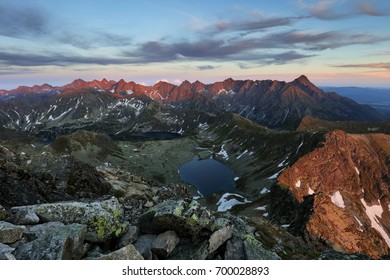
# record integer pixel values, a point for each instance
(349, 179)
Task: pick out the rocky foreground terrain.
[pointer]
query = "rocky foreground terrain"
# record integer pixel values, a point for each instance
(90, 170)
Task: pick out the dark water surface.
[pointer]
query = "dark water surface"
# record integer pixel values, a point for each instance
(208, 176)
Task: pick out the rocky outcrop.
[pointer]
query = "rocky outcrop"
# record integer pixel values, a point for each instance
(347, 180)
(53, 241)
(103, 218)
(187, 219)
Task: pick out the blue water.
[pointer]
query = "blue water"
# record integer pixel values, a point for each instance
(208, 176)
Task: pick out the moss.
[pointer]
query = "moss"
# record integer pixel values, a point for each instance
(109, 226)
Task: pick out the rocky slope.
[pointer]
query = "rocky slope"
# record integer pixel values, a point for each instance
(343, 190)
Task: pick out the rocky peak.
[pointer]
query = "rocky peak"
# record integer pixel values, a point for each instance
(348, 178)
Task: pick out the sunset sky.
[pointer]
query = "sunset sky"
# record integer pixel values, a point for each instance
(332, 42)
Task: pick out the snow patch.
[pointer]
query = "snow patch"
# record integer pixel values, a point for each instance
(261, 208)
(357, 171)
(285, 226)
(360, 224)
(310, 191)
(298, 184)
(264, 191)
(236, 178)
(337, 199)
(242, 154)
(374, 212)
(223, 153)
(265, 215)
(226, 202)
(283, 163)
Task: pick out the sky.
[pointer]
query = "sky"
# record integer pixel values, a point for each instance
(338, 43)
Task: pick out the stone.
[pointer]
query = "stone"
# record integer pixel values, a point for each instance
(188, 250)
(144, 245)
(3, 213)
(128, 252)
(165, 243)
(103, 218)
(10, 233)
(23, 215)
(186, 219)
(234, 249)
(129, 237)
(5, 250)
(254, 250)
(53, 241)
(219, 237)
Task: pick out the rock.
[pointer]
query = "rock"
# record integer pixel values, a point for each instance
(186, 219)
(219, 237)
(23, 215)
(174, 191)
(343, 188)
(5, 250)
(254, 250)
(234, 249)
(128, 252)
(10, 233)
(53, 241)
(85, 181)
(144, 245)
(188, 250)
(164, 244)
(125, 184)
(129, 237)
(103, 218)
(3, 213)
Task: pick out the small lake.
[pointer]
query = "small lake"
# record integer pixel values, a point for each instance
(208, 176)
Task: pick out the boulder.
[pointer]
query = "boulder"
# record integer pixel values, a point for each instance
(129, 237)
(53, 241)
(144, 245)
(128, 252)
(254, 250)
(23, 215)
(234, 249)
(10, 233)
(186, 219)
(5, 251)
(219, 237)
(103, 218)
(164, 244)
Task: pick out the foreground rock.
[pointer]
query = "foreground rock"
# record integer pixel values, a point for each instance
(103, 218)
(128, 252)
(187, 219)
(53, 241)
(164, 244)
(10, 233)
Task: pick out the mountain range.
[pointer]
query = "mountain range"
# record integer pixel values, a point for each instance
(274, 104)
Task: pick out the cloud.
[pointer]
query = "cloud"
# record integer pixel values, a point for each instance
(381, 65)
(21, 21)
(367, 9)
(206, 67)
(336, 10)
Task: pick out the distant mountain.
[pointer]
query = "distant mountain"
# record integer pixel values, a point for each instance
(378, 98)
(123, 107)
